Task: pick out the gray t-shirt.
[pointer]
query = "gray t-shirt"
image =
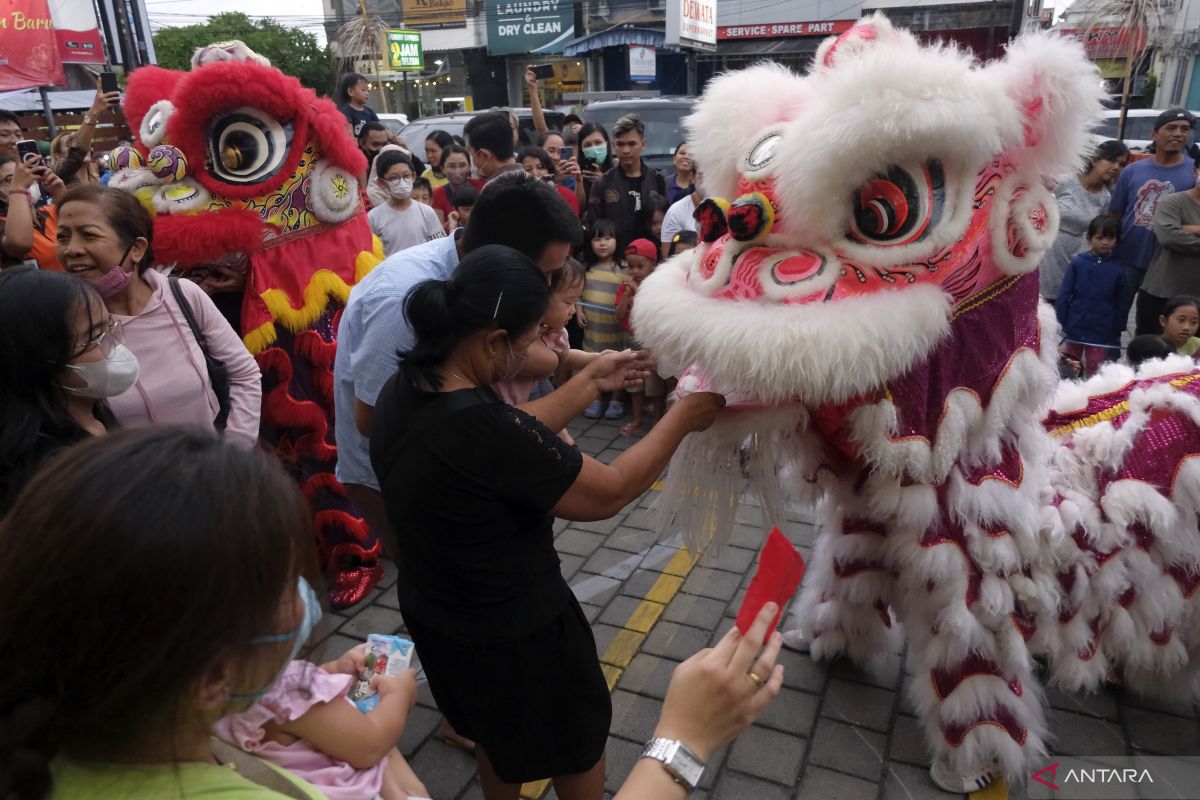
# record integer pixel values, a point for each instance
(1175, 269)
(400, 230)
(1076, 208)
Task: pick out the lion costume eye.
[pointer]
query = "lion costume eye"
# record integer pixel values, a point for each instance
(247, 146)
(899, 206)
(154, 123)
(762, 152)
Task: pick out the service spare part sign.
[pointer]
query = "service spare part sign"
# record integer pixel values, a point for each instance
(529, 26)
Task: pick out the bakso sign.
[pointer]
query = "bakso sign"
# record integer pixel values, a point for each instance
(529, 26)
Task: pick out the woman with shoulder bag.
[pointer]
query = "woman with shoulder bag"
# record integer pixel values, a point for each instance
(194, 368)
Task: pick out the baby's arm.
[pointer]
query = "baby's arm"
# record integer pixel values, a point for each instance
(578, 359)
(339, 730)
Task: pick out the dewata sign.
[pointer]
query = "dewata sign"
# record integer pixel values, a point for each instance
(692, 23)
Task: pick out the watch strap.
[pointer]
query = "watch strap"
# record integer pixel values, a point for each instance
(680, 762)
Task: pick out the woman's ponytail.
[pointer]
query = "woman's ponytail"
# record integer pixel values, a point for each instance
(429, 309)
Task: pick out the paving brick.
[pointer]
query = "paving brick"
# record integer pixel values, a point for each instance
(801, 672)
(418, 726)
(731, 559)
(676, 642)
(649, 675)
(753, 516)
(1155, 732)
(694, 610)
(736, 786)
(887, 676)
(425, 695)
(712, 583)
(590, 611)
(390, 574)
(643, 518)
(1104, 704)
(902, 782)
(332, 648)
(592, 444)
(767, 754)
(443, 769)
(612, 563)
(792, 712)
(661, 558)
(619, 610)
(569, 565)
(749, 536)
(1178, 706)
(640, 583)
(823, 784)
(577, 542)
(848, 749)
(326, 626)
(907, 742)
(860, 705)
(604, 636)
(631, 540)
(634, 716)
(620, 757)
(388, 599)
(1077, 735)
(605, 526)
(608, 456)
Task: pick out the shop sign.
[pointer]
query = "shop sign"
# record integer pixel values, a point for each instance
(784, 30)
(404, 50)
(692, 23)
(434, 13)
(529, 26)
(76, 31)
(642, 63)
(1106, 42)
(30, 55)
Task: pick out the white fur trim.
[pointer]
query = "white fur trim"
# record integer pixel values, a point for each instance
(333, 194)
(154, 123)
(776, 353)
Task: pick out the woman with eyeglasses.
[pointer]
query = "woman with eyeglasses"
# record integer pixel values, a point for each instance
(104, 237)
(61, 357)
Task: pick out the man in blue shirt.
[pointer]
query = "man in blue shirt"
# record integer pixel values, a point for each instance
(517, 210)
(1135, 198)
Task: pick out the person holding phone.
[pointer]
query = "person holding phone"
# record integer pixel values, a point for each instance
(71, 152)
(26, 231)
(594, 158)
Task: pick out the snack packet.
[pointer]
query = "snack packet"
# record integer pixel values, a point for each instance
(386, 655)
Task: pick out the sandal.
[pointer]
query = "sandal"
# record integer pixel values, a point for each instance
(615, 410)
(631, 428)
(448, 735)
(593, 409)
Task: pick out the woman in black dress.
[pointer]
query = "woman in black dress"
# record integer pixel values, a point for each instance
(471, 486)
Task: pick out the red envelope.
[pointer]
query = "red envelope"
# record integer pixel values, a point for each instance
(780, 569)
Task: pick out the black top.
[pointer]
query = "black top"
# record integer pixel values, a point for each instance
(16, 469)
(468, 483)
(358, 118)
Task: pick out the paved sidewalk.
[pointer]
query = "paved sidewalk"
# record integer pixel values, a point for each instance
(834, 733)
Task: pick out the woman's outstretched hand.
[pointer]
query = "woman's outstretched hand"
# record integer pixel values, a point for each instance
(615, 370)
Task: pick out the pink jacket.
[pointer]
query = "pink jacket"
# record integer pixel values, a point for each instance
(172, 385)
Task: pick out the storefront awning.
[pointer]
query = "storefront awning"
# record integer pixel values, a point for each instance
(613, 37)
(767, 47)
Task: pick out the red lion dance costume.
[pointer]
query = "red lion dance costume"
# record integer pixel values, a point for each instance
(870, 309)
(236, 159)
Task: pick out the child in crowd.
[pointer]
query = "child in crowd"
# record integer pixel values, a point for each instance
(400, 223)
(641, 256)
(307, 725)
(597, 311)
(682, 242)
(352, 95)
(422, 191)
(1089, 303)
(1180, 319)
(464, 201)
(1146, 347)
(657, 205)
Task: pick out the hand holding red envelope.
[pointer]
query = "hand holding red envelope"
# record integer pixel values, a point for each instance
(780, 569)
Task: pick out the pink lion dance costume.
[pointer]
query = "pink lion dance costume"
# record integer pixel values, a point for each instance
(870, 309)
(238, 161)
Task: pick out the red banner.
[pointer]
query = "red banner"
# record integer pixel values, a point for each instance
(784, 30)
(28, 50)
(76, 31)
(1107, 42)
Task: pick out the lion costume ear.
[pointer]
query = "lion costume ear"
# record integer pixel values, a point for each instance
(1056, 93)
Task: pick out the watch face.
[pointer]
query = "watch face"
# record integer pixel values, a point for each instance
(686, 767)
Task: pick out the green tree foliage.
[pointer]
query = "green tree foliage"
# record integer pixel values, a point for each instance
(293, 51)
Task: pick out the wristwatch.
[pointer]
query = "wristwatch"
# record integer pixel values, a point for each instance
(88, 119)
(682, 764)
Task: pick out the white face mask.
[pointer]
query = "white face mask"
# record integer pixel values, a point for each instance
(400, 188)
(108, 378)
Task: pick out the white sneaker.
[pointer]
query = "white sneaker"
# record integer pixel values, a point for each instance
(794, 640)
(948, 780)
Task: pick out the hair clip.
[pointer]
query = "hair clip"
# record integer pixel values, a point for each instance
(496, 312)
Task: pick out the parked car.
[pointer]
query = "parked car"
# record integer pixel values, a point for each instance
(414, 133)
(664, 123)
(1139, 127)
(394, 122)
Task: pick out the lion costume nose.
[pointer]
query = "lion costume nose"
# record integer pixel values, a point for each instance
(751, 217)
(167, 163)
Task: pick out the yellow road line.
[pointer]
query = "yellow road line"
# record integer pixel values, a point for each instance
(628, 641)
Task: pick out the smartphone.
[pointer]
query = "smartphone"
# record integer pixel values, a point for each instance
(27, 151)
(108, 82)
(542, 71)
(566, 152)
(586, 163)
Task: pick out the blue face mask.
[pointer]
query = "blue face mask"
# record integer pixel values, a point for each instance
(312, 615)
